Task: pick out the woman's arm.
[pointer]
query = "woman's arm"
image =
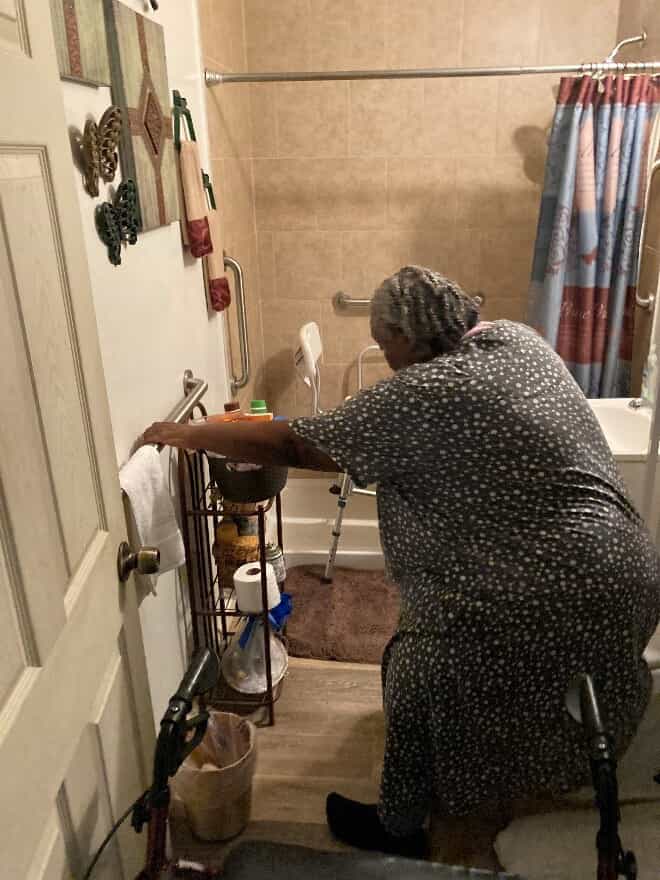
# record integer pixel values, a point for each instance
(258, 442)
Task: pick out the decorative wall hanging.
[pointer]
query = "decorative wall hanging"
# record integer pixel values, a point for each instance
(214, 264)
(196, 233)
(200, 230)
(117, 221)
(99, 149)
(80, 41)
(139, 86)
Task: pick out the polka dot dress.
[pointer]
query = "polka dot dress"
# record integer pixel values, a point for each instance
(520, 560)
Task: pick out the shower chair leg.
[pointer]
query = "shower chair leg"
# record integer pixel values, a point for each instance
(344, 494)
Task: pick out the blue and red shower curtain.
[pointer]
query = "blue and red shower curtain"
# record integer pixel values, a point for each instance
(584, 275)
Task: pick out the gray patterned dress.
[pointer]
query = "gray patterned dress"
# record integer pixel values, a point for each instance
(520, 561)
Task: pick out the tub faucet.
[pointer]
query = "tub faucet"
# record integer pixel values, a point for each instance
(638, 403)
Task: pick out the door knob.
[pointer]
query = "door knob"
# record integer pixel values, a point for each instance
(146, 560)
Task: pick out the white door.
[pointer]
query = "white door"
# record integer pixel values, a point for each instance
(75, 720)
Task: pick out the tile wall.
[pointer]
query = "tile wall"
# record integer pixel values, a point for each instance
(333, 186)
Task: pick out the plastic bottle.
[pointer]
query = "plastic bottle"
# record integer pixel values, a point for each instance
(232, 413)
(258, 412)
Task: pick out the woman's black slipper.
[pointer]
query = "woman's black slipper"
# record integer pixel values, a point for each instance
(358, 825)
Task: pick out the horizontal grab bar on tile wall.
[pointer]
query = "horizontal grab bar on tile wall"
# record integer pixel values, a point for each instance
(238, 382)
(343, 300)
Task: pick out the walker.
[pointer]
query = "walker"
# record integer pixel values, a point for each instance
(254, 860)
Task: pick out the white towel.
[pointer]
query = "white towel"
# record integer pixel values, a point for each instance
(142, 480)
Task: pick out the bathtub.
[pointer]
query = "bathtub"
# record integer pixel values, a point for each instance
(310, 509)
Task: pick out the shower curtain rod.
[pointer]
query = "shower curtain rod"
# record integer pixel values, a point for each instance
(215, 78)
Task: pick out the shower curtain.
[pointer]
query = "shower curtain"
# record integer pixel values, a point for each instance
(584, 275)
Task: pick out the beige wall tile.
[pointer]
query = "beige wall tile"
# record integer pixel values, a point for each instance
(266, 257)
(571, 33)
(421, 194)
(280, 389)
(312, 119)
(307, 265)
(496, 194)
(424, 34)
(221, 30)
(285, 191)
(367, 260)
(506, 309)
(335, 386)
(460, 116)
(525, 110)
(234, 192)
(344, 334)
(506, 264)
(431, 248)
(277, 34)
(263, 119)
(347, 34)
(282, 321)
(464, 261)
(387, 118)
(501, 32)
(228, 114)
(634, 17)
(352, 193)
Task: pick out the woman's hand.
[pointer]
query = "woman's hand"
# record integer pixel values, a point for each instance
(169, 434)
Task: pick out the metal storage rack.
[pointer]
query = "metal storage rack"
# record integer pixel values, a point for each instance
(214, 615)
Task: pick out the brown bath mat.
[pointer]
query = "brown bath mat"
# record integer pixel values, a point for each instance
(351, 619)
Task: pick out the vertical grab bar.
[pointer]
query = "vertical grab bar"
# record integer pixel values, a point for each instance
(646, 302)
(242, 380)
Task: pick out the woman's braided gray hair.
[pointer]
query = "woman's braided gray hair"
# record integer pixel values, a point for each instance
(427, 308)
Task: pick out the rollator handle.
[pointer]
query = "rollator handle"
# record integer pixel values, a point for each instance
(201, 676)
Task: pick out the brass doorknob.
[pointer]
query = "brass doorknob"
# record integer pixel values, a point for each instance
(146, 560)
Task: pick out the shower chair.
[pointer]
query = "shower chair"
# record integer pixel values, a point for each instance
(307, 358)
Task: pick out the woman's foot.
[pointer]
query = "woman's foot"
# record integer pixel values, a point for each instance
(358, 825)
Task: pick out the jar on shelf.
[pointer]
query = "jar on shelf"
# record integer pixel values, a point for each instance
(275, 556)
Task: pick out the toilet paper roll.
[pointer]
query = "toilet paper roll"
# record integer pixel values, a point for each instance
(247, 583)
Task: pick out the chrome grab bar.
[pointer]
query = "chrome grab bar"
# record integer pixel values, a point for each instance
(343, 300)
(193, 391)
(646, 302)
(360, 362)
(244, 347)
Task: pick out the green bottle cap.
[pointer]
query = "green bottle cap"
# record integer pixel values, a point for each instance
(258, 406)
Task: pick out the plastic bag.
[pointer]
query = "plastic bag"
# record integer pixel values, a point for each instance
(215, 781)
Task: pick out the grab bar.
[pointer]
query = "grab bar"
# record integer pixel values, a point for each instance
(360, 362)
(343, 300)
(244, 347)
(193, 391)
(646, 302)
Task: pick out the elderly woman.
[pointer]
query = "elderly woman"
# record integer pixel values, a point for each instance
(519, 557)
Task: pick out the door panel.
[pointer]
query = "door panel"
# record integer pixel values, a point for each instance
(75, 742)
(50, 861)
(33, 251)
(13, 31)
